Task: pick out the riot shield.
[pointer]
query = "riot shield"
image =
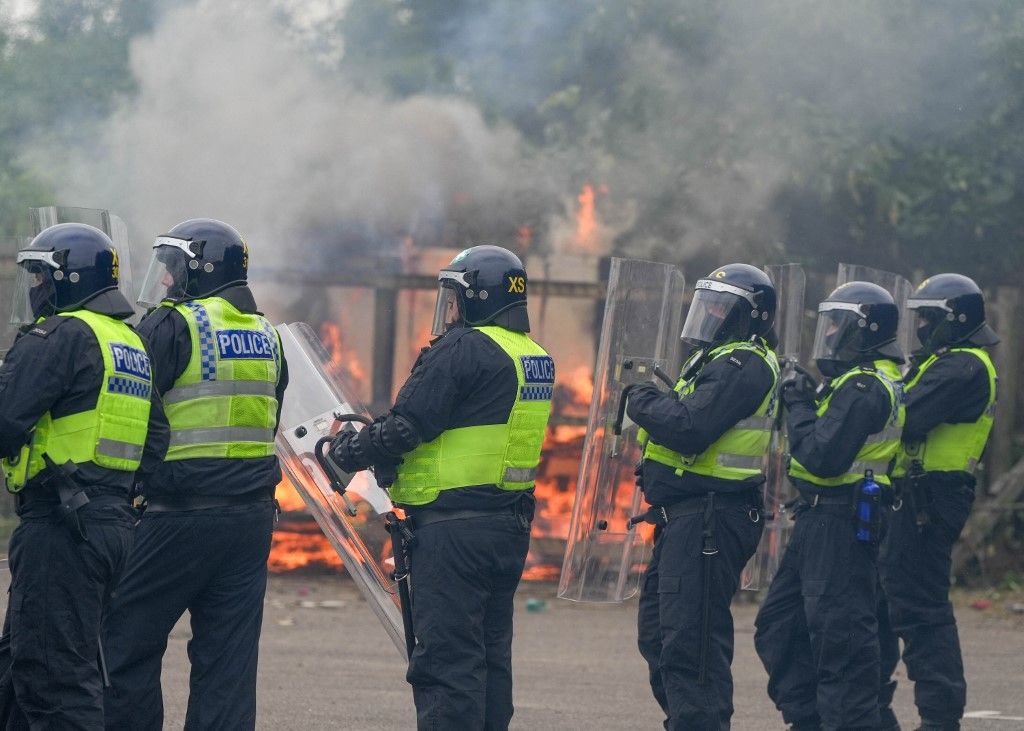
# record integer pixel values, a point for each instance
(105, 221)
(354, 521)
(605, 556)
(899, 287)
(789, 281)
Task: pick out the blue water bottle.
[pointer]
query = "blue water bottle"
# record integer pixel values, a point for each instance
(867, 507)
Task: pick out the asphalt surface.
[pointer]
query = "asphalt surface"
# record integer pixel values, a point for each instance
(325, 663)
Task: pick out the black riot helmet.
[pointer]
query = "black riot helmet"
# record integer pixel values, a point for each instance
(484, 285)
(64, 267)
(734, 302)
(856, 323)
(197, 258)
(950, 310)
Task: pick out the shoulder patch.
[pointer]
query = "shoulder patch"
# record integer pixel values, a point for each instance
(738, 358)
(47, 326)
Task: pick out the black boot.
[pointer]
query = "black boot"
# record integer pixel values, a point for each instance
(888, 720)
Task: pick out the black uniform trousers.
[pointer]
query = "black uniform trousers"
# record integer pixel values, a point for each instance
(464, 576)
(670, 618)
(888, 647)
(915, 567)
(213, 563)
(49, 652)
(817, 631)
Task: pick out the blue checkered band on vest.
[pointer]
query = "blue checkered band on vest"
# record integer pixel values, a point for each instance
(536, 393)
(128, 386)
(207, 354)
(269, 330)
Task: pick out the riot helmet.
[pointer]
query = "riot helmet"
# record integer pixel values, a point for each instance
(483, 285)
(197, 258)
(856, 323)
(734, 302)
(950, 310)
(64, 267)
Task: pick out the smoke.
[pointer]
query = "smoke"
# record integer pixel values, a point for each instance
(232, 120)
(690, 115)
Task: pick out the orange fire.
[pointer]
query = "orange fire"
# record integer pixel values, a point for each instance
(343, 361)
(586, 217)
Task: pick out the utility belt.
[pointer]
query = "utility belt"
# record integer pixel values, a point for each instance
(704, 505)
(422, 517)
(182, 503)
(54, 489)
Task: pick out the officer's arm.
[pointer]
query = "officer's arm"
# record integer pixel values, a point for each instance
(954, 390)
(169, 343)
(33, 377)
(421, 412)
(728, 389)
(158, 436)
(827, 445)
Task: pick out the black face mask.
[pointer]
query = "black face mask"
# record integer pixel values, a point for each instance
(41, 298)
(832, 368)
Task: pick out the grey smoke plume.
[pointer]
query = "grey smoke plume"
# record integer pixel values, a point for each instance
(232, 120)
(691, 135)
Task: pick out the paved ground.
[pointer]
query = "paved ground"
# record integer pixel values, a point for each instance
(331, 666)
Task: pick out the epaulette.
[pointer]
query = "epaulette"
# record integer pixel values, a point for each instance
(46, 327)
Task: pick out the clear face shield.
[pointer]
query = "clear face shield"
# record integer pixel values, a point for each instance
(34, 290)
(447, 312)
(714, 303)
(168, 272)
(837, 322)
(928, 317)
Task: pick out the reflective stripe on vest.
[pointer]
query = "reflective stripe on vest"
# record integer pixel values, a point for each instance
(953, 447)
(739, 453)
(506, 454)
(879, 448)
(224, 404)
(111, 434)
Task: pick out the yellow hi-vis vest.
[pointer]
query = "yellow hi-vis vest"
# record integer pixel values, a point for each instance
(880, 447)
(952, 447)
(224, 404)
(739, 453)
(111, 434)
(505, 454)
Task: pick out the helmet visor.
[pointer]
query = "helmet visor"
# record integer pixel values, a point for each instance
(447, 312)
(35, 295)
(837, 325)
(714, 305)
(167, 273)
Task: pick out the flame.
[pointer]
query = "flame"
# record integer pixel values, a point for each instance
(586, 217)
(524, 237)
(301, 546)
(343, 361)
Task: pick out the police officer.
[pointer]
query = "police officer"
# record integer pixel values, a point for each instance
(817, 632)
(465, 436)
(950, 396)
(203, 541)
(702, 470)
(75, 395)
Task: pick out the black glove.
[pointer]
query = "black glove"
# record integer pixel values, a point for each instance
(346, 452)
(386, 474)
(797, 387)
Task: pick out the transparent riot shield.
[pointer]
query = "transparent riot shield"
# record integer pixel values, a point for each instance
(105, 221)
(899, 287)
(353, 522)
(789, 281)
(605, 556)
